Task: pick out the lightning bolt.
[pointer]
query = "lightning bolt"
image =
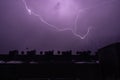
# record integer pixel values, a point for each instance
(74, 31)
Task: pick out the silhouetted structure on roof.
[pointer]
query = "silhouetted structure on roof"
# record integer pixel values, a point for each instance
(22, 53)
(41, 53)
(49, 52)
(67, 53)
(58, 52)
(13, 52)
(31, 53)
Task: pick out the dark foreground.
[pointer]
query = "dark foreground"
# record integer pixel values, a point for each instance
(104, 65)
(69, 71)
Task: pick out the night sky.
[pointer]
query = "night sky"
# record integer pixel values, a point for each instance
(20, 30)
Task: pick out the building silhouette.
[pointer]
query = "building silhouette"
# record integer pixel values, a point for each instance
(63, 65)
(109, 57)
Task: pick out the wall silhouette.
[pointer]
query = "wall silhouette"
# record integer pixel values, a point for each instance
(109, 58)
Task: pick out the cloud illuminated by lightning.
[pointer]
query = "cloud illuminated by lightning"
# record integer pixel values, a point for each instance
(64, 11)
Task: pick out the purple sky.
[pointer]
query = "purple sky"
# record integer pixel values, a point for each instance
(19, 30)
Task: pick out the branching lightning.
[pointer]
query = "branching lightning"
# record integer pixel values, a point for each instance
(74, 31)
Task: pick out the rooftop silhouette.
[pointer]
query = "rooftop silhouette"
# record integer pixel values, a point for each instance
(60, 56)
(82, 65)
